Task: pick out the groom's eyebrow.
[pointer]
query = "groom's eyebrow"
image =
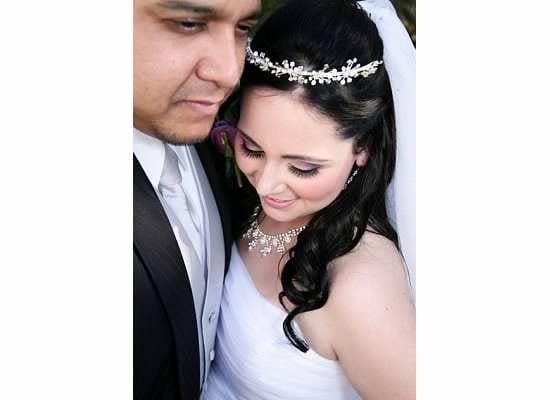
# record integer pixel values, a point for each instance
(196, 8)
(186, 5)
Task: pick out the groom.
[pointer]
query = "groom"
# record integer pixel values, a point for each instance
(188, 56)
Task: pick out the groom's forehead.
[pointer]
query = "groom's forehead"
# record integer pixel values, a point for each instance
(214, 8)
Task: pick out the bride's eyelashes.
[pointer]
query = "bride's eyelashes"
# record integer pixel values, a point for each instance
(249, 152)
(302, 173)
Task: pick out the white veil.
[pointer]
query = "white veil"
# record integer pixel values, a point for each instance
(400, 62)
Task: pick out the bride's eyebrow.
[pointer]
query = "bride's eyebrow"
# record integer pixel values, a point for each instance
(304, 158)
(288, 156)
(248, 138)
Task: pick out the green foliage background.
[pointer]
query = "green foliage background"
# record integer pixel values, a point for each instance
(406, 9)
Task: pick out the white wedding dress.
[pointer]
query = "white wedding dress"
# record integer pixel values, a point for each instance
(254, 359)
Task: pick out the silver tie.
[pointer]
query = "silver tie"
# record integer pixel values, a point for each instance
(171, 189)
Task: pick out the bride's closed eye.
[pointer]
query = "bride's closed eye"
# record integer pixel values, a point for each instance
(249, 152)
(303, 173)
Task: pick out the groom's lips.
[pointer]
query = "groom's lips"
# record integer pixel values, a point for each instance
(203, 106)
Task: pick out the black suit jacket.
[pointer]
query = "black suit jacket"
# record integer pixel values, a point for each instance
(166, 355)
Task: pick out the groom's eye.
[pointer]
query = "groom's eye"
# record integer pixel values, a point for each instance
(243, 29)
(190, 26)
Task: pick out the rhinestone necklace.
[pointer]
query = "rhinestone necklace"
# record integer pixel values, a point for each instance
(266, 242)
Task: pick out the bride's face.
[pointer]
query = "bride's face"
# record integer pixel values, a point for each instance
(291, 155)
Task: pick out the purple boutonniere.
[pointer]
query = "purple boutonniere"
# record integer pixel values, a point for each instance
(223, 137)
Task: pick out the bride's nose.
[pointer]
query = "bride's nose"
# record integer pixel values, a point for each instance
(270, 180)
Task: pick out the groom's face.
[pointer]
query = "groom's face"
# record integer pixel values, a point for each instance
(188, 56)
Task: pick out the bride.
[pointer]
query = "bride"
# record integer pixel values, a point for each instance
(317, 302)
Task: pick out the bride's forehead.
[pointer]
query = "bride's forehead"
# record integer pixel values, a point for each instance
(276, 111)
(285, 135)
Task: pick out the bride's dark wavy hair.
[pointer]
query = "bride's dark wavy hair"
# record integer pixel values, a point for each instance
(313, 33)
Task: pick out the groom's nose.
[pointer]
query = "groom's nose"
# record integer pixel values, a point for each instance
(223, 62)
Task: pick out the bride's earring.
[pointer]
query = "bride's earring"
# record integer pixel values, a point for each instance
(351, 178)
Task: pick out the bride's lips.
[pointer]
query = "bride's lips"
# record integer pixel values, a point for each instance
(276, 203)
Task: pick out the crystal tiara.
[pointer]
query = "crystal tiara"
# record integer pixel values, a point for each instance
(297, 73)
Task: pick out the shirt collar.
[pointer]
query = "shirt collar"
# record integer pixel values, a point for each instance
(150, 153)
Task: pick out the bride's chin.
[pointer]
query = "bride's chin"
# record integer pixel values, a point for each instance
(282, 222)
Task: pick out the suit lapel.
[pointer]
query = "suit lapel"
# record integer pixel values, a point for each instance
(157, 246)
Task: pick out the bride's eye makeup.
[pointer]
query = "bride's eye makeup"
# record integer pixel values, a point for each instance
(251, 150)
(303, 173)
(248, 152)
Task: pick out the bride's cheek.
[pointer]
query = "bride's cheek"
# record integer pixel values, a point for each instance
(320, 189)
(245, 164)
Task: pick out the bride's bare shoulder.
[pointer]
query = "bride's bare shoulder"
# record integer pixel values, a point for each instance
(373, 268)
(372, 319)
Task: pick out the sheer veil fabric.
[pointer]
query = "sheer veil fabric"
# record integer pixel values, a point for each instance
(400, 62)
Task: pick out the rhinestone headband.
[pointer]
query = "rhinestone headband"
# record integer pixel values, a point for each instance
(297, 72)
